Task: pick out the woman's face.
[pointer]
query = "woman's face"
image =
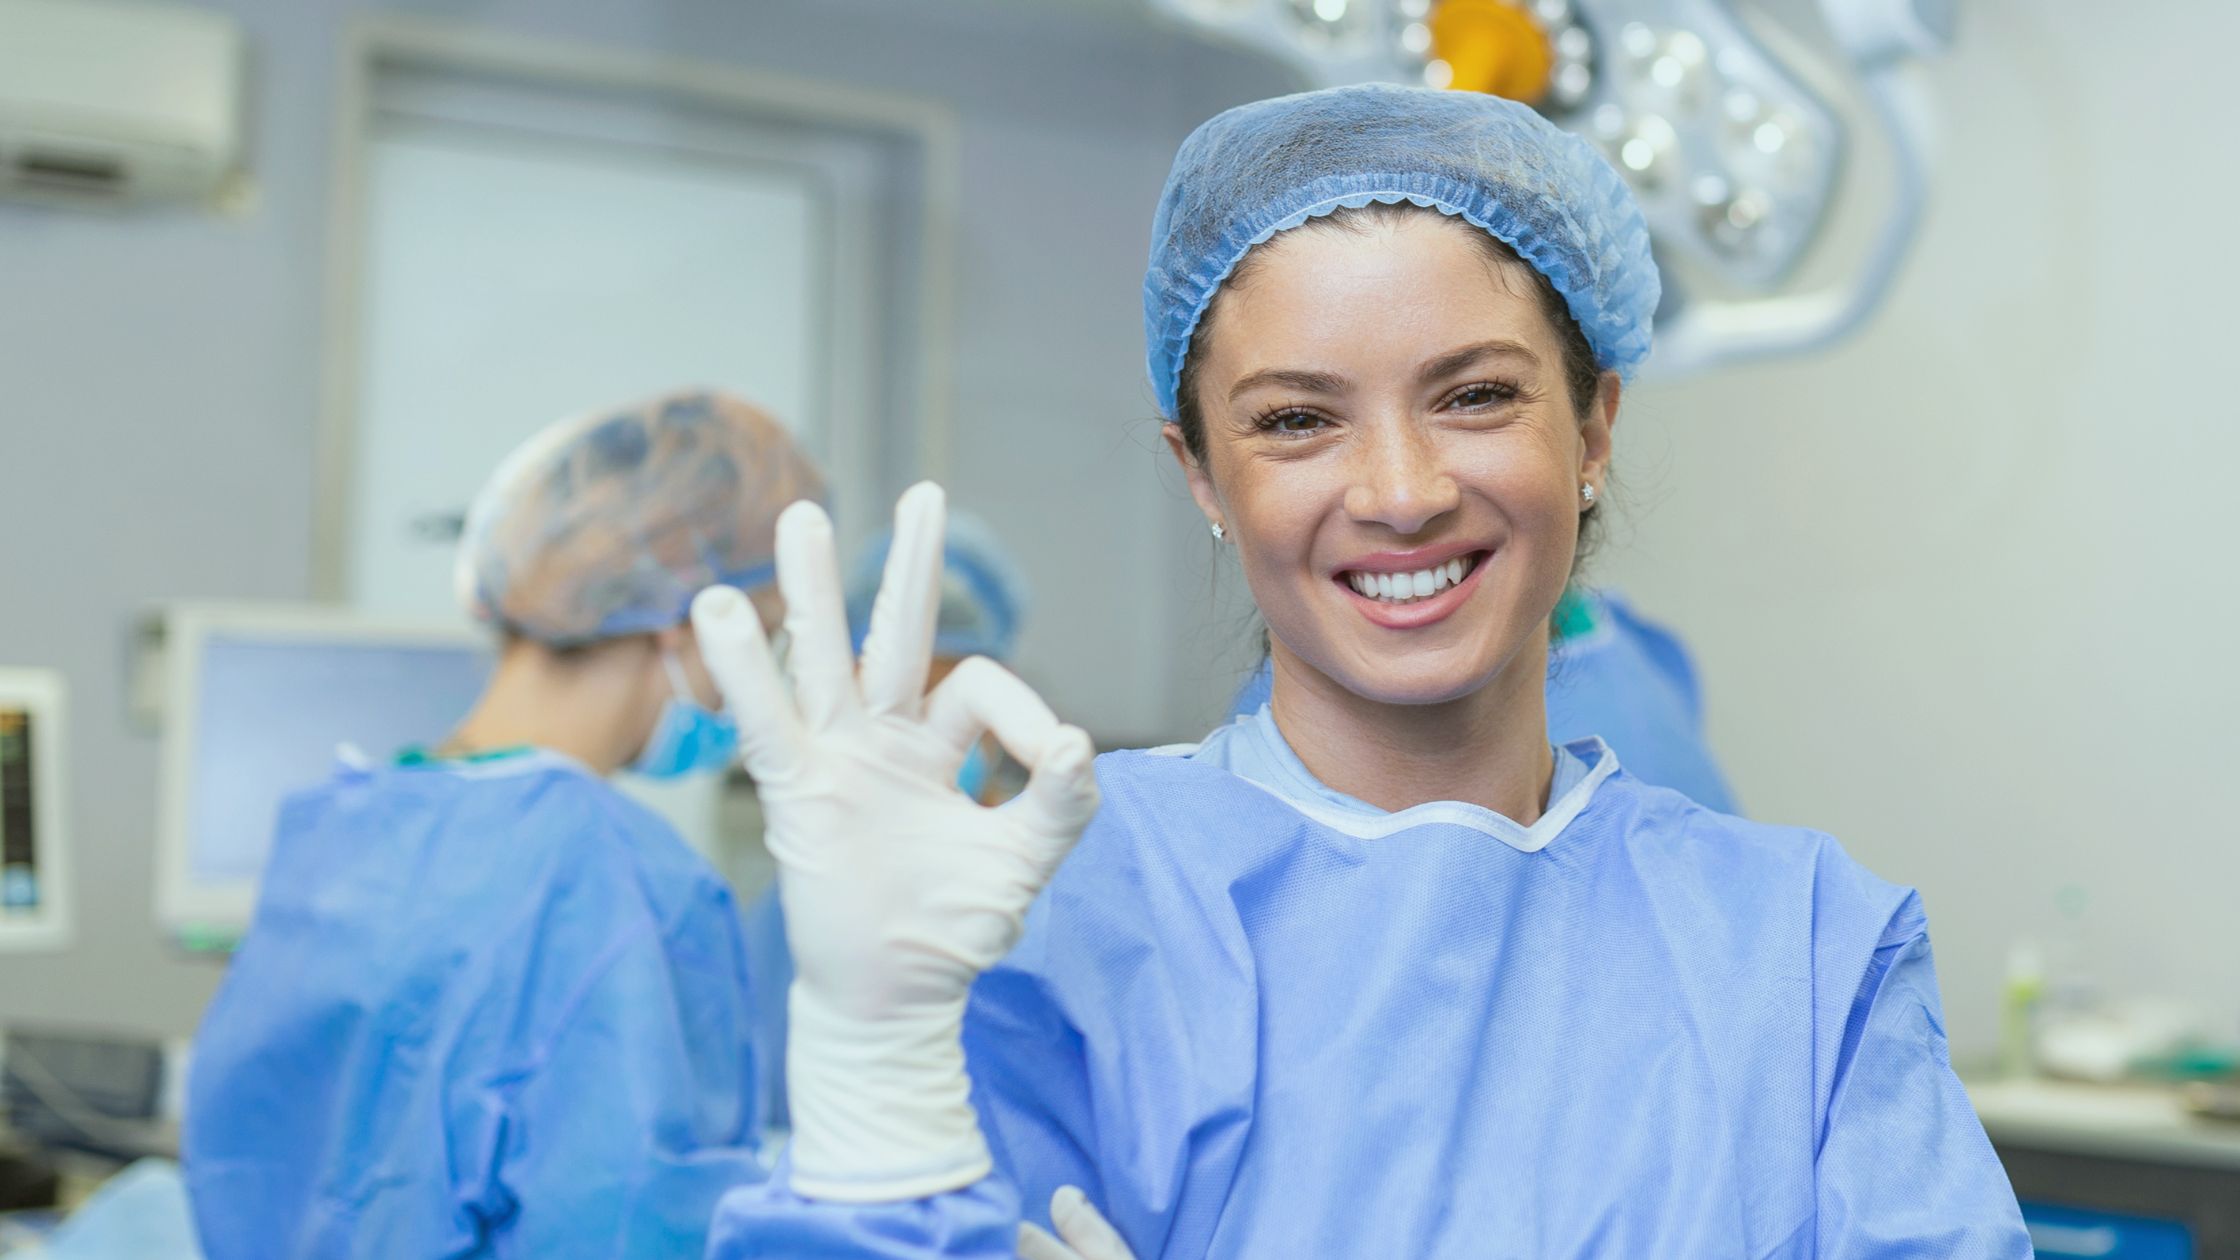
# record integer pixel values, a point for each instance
(1391, 447)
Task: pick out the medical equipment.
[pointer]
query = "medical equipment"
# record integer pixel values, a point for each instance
(259, 699)
(1717, 124)
(96, 1093)
(899, 889)
(34, 840)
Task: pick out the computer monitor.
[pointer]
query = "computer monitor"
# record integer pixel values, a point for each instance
(34, 846)
(259, 702)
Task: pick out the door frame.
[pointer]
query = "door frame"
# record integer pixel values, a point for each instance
(375, 43)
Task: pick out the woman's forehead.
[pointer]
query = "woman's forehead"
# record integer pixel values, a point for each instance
(1341, 292)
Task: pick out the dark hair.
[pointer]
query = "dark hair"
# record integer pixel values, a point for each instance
(1582, 379)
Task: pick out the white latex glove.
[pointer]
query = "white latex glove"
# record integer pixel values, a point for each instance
(1083, 1233)
(898, 889)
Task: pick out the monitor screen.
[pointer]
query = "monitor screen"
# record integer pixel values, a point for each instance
(19, 824)
(275, 713)
(34, 846)
(260, 705)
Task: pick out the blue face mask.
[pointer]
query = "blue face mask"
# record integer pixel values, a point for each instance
(687, 738)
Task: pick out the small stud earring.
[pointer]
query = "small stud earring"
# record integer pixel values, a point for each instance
(1218, 532)
(1586, 495)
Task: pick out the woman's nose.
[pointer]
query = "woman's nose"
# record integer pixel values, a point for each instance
(1400, 481)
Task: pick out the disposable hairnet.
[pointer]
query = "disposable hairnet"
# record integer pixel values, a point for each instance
(1270, 166)
(609, 524)
(983, 594)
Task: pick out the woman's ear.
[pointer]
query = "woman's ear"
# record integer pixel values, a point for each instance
(1194, 472)
(1597, 427)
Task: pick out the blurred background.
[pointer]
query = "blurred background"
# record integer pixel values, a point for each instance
(1930, 468)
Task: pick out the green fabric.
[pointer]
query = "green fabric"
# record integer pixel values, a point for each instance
(422, 755)
(1574, 615)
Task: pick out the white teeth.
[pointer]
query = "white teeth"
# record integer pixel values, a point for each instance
(1401, 588)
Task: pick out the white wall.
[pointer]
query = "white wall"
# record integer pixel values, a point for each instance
(1963, 590)
(159, 378)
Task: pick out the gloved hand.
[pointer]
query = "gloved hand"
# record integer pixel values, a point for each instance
(1086, 1234)
(898, 889)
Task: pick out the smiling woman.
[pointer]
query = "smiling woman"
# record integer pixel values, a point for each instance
(1581, 378)
(1389, 424)
(1375, 971)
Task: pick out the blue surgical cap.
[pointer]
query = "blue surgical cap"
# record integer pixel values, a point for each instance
(1270, 166)
(983, 594)
(609, 524)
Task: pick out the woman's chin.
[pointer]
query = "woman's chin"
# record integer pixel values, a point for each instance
(1422, 684)
(1459, 665)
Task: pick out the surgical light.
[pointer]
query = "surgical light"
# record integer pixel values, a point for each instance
(1333, 24)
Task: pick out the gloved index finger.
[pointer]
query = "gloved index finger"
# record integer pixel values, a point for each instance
(822, 660)
(898, 652)
(738, 655)
(1061, 795)
(980, 696)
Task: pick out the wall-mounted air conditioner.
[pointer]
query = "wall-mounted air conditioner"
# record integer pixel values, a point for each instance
(103, 100)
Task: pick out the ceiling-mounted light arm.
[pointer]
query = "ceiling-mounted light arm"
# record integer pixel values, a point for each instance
(1880, 37)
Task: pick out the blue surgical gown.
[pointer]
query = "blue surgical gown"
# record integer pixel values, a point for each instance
(1252, 1017)
(772, 961)
(1624, 678)
(484, 1009)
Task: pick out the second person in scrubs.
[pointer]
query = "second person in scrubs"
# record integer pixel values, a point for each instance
(489, 1005)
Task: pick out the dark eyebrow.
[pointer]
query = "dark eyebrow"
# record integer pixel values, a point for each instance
(1296, 378)
(1331, 383)
(1456, 360)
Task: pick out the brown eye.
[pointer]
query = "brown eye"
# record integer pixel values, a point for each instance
(1482, 395)
(1291, 422)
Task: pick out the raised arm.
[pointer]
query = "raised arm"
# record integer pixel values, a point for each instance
(898, 891)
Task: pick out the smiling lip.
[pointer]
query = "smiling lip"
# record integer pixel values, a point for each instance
(1419, 612)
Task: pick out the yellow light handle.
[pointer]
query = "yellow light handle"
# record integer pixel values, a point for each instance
(1492, 46)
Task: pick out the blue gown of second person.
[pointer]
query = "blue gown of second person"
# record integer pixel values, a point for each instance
(486, 1008)
(1252, 1017)
(1618, 676)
